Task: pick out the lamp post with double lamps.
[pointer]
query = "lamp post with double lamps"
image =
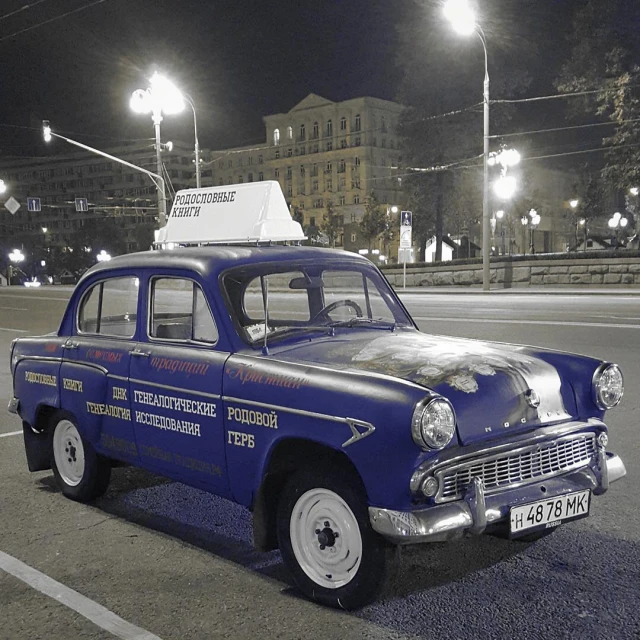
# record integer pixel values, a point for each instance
(531, 221)
(463, 20)
(616, 221)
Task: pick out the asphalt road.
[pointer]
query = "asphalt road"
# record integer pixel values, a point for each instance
(179, 563)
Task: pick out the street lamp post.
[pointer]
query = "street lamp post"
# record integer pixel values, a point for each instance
(530, 221)
(462, 17)
(163, 97)
(195, 134)
(616, 222)
(16, 257)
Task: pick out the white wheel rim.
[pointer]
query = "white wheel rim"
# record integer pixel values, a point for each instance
(68, 452)
(322, 516)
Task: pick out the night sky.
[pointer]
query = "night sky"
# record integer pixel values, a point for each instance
(239, 60)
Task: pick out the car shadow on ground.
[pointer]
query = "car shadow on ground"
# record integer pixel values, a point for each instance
(575, 583)
(224, 529)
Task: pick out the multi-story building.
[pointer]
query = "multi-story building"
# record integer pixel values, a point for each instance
(323, 151)
(117, 197)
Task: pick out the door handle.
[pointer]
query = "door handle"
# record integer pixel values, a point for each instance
(71, 345)
(140, 354)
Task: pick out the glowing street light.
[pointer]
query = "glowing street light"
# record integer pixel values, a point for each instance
(634, 191)
(16, 256)
(574, 203)
(463, 20)
(532, 220)
(163, 97)
(3, 186)
(505, 187)
(103, 256)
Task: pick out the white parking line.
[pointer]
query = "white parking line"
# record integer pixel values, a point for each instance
(11, 433)
(14, 330)
(13, 309)
(563, 323)
(92, 611)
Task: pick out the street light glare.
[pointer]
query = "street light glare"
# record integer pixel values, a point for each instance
(574, 203)
(167, 94)
(505, 187)
(140, 101)
(3, 186)
(461, 16)
(46, 131)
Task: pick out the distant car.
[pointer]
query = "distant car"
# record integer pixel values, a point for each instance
(293, 381)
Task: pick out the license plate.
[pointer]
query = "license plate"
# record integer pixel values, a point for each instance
(545, 514)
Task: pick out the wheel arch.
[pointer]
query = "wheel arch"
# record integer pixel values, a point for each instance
(287, 457)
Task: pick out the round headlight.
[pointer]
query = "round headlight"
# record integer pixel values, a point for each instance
(608, 386)
(433, 424)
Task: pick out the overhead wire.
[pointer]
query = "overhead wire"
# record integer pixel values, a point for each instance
(24, 8)
(50, 20)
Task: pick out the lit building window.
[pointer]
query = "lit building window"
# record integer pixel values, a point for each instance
(289, 133)
(276, 137)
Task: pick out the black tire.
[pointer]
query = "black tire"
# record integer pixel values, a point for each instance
(80, 472)
(373, 562)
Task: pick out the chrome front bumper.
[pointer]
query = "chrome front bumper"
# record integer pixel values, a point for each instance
(476, 511)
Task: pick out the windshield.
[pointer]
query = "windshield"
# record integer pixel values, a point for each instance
(309, 299)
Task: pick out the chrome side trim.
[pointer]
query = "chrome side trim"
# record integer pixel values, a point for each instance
(39, 358)
(14, 406)
(353, 423)
(168, 387)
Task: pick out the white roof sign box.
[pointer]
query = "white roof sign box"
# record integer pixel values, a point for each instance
(253, 212)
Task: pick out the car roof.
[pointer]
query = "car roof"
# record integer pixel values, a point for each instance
(212, 260)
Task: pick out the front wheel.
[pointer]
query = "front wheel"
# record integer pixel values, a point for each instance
(327, 542)
(79, 471)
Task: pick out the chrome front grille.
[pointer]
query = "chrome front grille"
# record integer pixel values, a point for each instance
(517, 467)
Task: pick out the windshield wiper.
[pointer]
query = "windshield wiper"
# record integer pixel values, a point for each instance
(365, 322)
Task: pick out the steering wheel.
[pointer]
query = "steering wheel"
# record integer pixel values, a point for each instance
(335, 305)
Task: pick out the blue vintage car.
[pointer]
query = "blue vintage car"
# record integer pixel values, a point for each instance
(293, 381)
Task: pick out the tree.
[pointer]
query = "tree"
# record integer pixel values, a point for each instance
(332, 223)
(374, 219)
(604, 57)
(441, 130)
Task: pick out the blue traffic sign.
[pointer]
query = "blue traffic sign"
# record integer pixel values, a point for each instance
(33, 204)
(406, 219)
(82, 204)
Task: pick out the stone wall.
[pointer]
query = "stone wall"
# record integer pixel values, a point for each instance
(616, 272)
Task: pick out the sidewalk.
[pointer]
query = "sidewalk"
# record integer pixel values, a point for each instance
(540, 290)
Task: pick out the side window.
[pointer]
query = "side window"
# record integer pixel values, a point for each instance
(179, 311)
(110, 308)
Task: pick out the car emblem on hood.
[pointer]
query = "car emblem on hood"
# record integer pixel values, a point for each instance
(533, 399)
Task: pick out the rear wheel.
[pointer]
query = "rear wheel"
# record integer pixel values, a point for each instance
(80, 472)
(327, 542)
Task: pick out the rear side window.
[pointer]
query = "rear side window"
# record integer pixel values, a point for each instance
(110, 308)
(179, 311)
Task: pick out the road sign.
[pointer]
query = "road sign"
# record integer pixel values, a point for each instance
(33, 204)
(82, 204)
(406, 218)
(12, 205)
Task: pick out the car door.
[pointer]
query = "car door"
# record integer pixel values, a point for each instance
(95, 368)
(176, 383)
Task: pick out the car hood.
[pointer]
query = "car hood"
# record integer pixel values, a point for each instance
(494, 387)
